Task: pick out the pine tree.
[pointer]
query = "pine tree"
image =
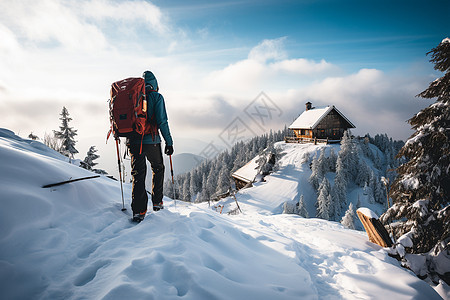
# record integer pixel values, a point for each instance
(421, 192)
(223, 182)
(203, 192)
(363, 173)
(195, 184)
(315, 178)
(168, 189)
(323, 163)
(379, 192)
(301, 209)
(66, 135)
(350, 216)
(288, 207)
(186, 188)
(211, 183)
(340, 187)
(88, 162)
(324, 200)
(332, 160)
(368, 193)
(346, 163)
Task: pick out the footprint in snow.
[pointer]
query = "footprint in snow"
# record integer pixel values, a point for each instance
(88, 274)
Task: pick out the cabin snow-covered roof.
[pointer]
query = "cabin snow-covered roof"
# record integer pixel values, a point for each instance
(309, 119)
(248, 172)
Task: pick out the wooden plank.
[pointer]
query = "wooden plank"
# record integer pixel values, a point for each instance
(375, 230)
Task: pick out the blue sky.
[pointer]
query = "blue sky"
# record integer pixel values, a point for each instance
(213, 59)
(354, 33)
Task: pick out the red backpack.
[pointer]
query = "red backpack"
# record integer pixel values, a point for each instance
(128, 110)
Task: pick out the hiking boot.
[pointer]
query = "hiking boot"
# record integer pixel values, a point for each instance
(159, 206)
(138, 217)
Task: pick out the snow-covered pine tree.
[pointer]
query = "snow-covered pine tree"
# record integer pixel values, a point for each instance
(203, 192)
(186, 188)
(305, 158)
(301, 209)
(344, 161)
(168, 189)
(288, 207)
(316, 177)
(363, 173)
(66, 134)
(323, 200)
(339, 192)
(211, 182)
(195, 184)
(379, 192)
(350, 216)
(421, 191)
(88, 162)
(332, 213)
(323, 163)
(368, 193)
(223, 182)
(332, 160)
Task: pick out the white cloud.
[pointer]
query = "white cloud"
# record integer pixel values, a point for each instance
(9, 45)
(51, 23)
(301, 66)
(268, 50)
(266, 67)
(130, 12)
(81, 25)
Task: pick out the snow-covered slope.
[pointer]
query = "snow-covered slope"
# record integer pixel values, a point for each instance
(73, 242)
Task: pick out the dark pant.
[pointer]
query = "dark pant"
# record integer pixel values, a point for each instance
(139, 171)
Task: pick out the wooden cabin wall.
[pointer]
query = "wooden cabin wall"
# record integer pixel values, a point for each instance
(332, 127)
(239, 183)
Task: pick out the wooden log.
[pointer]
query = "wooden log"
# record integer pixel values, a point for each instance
(375, 230)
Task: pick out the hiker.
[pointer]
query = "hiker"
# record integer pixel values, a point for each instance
(151, 150)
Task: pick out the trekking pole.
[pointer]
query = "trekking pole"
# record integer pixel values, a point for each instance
(120, 173)
(173, 182)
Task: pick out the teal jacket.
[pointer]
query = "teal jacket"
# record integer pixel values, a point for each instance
(156, 107)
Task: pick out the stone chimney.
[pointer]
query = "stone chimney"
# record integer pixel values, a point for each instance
(308, 105)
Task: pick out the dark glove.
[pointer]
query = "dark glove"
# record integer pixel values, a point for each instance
(168, 150)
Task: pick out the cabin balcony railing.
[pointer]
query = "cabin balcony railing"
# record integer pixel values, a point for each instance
(304, 140)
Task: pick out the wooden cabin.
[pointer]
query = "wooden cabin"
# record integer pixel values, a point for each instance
(246, 175)
(320, 124)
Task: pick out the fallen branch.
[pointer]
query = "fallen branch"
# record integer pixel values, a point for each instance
(69, 181)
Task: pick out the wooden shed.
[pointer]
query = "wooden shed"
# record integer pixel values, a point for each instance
(321, 123)
(245, 176)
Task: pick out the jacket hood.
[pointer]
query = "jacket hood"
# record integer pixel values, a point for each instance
(150, 79)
